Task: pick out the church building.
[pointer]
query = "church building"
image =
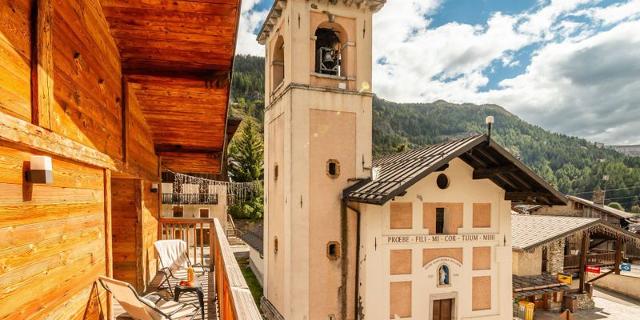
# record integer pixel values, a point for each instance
(423, 234)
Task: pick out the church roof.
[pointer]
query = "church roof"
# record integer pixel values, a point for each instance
(400, 171)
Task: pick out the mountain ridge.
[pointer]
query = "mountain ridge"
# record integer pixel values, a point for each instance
(572, 164)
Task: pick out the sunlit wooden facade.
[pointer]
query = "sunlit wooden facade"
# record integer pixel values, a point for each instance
(112, 91)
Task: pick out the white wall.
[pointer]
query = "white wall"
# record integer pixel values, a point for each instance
(375, 249)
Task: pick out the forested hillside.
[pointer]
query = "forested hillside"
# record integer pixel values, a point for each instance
(573, 165)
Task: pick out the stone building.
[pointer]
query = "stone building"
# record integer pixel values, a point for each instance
(541, 252)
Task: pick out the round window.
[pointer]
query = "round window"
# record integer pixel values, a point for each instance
(442, 181)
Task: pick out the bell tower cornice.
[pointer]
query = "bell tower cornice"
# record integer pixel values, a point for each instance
(278, 6)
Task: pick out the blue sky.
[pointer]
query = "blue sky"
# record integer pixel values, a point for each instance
(571, 66)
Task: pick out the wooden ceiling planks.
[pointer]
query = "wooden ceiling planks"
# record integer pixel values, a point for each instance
(158, 33)
(178, 55)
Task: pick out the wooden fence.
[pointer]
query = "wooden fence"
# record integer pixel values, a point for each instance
(234, 298)
(195, 232)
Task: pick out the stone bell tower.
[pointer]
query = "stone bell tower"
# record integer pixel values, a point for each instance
(317, 142)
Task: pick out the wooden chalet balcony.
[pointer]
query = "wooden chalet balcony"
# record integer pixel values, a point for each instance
(227, 295)
(189, 198)
(601, 259)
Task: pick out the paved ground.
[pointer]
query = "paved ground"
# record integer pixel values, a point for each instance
(609, 305)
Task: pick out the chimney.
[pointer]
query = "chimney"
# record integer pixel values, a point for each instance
(598, 197)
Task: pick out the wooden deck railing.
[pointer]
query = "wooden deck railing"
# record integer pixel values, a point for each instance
(234, 298)
(572, 262)
(195, 231)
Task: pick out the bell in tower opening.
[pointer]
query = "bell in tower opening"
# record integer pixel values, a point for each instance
(327, 52)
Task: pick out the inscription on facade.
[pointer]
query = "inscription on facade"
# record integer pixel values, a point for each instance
(439, 238)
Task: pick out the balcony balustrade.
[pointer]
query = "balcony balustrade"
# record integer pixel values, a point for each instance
(189, 198)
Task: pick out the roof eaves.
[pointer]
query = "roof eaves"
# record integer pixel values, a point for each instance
(557, 237)
(559, 196)
(403, 187)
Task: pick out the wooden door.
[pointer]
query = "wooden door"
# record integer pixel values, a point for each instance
(443, 309)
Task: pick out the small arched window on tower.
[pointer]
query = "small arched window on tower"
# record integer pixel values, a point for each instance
(328, 51)
(277, 63)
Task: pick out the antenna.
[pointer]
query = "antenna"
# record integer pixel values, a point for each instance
(489, 121)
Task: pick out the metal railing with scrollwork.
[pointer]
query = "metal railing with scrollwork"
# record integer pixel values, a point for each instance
(189, 198)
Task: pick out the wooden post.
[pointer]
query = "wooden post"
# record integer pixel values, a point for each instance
(618, 255)
(108, 247)
(583, 259)
(138, 189)
(124, 103)
(42, 64)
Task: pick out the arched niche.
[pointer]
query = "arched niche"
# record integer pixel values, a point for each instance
(277, 63)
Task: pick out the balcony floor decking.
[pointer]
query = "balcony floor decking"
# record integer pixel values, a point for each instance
(208, 287)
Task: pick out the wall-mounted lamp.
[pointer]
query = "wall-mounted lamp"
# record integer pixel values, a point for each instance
(40, 170)
(154, 187)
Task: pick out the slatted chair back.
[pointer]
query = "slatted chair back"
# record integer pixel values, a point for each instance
(172, 254)
(137, 307)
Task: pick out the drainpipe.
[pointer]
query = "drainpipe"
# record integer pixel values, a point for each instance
(356, 300)
(343, 258)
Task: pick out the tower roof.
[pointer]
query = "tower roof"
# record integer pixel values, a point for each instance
(279, 5)
(400, 171)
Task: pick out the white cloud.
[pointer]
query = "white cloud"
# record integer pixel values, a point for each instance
(614, 13)
(582, 79)
(250, 20)
(589, 88)
(580, 76)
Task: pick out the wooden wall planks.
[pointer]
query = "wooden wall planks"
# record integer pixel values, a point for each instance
(124, 225)
(15, 54)
(52, 244)
(135, 229)
(87, 77)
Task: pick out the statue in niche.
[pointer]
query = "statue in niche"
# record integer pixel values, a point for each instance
(443, 275)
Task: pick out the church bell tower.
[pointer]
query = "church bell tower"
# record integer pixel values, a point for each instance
(317, 127)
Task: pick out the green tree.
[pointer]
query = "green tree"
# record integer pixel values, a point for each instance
(245, 164)
(246, 154)
(615, 205)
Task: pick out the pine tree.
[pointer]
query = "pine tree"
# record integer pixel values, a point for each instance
(245, 164)
(246, 154)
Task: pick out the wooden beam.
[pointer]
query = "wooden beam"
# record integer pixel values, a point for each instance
(108, 235)
(210, 78)
(600, 276)
(487, 173)
(138, 189)
(18, 131)
(583, 259)
(192, 162)
(42, 98)
(619, 244)
(162, 148)
(524, 195)
(125, 115)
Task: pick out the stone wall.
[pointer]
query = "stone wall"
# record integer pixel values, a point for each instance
(555, 257)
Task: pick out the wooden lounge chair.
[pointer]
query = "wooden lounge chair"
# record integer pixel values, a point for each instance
(174, 261)
(149, 307)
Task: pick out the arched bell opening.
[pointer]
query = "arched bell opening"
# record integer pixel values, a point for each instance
(331, 50)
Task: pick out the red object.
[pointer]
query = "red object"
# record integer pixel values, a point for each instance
(592, 269)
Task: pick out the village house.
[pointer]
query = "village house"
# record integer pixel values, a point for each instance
(424, 234)
(542, 258)
(579, 207)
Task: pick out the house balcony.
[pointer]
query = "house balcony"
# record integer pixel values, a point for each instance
(226, 294)
(189, 198)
